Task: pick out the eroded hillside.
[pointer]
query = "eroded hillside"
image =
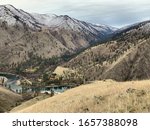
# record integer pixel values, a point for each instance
(126, 57)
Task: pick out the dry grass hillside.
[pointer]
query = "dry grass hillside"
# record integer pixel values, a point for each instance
(124, 58)
(30, 102)
(115, 60)
(8, 99)
(61, 70)
(18, 44)
(99, 96)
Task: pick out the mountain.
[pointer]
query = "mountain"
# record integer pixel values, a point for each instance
(13, 16)
(24, 35)
(125, 57)
(143, 27)
(72, 32)
(65, 22)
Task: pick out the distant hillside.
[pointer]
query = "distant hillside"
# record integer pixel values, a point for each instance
(125, 57)
(99, 96)
(8, 99)
(24, 35)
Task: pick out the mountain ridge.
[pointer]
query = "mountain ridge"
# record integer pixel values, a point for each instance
(55, 36)
(125, 57)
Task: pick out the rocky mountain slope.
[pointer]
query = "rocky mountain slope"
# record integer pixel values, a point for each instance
(125, 57)
(24, 35)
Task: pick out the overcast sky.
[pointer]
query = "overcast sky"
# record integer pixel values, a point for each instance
(116, 13)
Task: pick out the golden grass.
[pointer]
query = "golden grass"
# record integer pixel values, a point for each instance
(61, 70)
(30, 102)
(99, 96)
(8, 99)
(31, 70)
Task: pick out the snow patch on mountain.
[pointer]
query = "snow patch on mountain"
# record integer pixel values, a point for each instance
(12, 16)
(66, 22)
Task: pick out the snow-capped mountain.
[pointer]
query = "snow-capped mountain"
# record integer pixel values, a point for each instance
(44, 34)
(66, 22)
(14, 16)
(142, 27)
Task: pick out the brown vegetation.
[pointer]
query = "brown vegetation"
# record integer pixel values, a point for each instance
(124, 58)
(99, 96)
(30, 102)
(8, 99)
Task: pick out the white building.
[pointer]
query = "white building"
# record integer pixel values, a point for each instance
(3, 80)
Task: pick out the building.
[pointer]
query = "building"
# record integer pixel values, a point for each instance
(3, 80)
(15, 88)
(54, 88)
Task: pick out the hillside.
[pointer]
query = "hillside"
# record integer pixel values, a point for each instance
(8, 99)
(30, 102)
(125, 57)
(99, 96)
(24, 35)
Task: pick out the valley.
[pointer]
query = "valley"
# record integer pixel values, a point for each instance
(51, 63)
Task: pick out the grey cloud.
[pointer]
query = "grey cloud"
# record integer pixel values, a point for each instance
(112, 12)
